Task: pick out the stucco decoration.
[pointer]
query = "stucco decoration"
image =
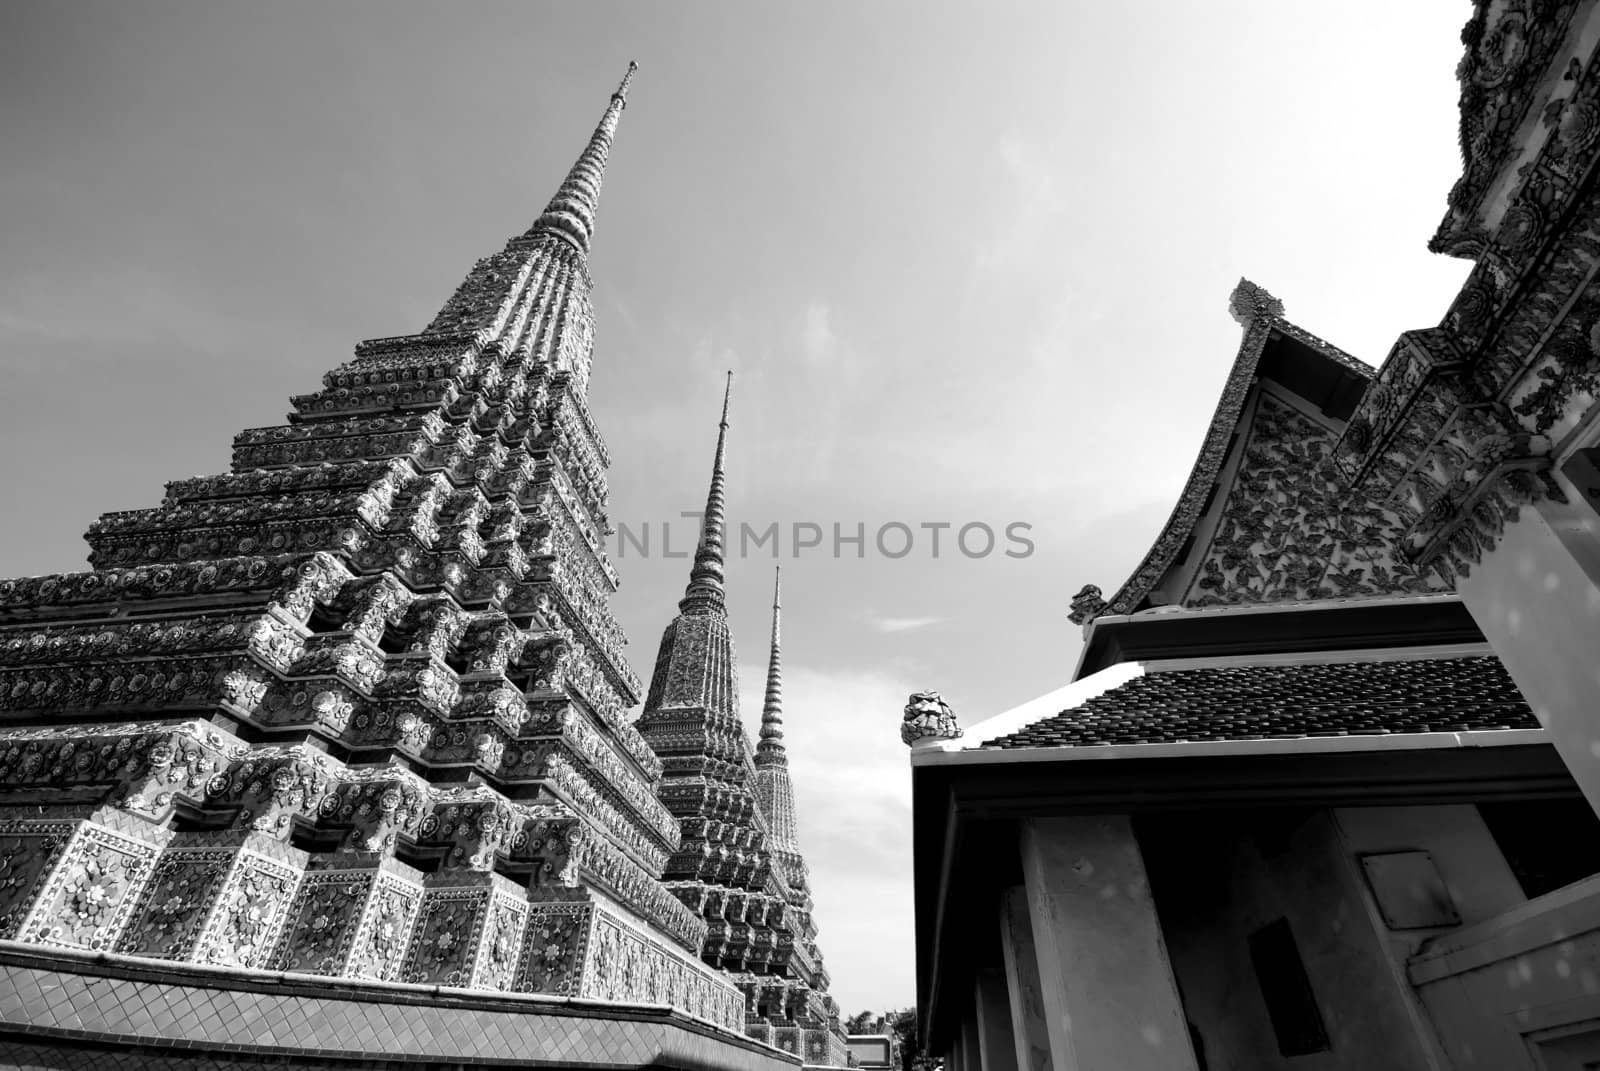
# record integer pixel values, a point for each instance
(1087, 604)
(928, 717)
(1289, 531)
(1509, 47)
(1250, 302)
(1261, 315)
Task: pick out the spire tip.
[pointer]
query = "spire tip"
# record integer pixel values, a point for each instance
(622, 90)
(705, 590)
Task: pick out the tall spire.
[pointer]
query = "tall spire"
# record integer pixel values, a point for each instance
(705, 593)
(770, 750)
(570, 213)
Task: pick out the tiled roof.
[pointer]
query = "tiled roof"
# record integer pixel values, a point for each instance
(1268, 701)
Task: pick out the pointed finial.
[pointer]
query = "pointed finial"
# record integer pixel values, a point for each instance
(705, 593)
(770, 750)
(627, 80)
(571, 212)
(1250, 302)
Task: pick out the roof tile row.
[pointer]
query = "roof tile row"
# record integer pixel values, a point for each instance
(1279, 702)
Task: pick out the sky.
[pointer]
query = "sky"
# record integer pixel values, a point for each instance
(969, 263)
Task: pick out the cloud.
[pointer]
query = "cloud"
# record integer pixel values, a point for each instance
(902, 624)
(817, 339)
(1032, 201)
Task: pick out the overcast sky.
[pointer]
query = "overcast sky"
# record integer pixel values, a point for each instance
(969, 263)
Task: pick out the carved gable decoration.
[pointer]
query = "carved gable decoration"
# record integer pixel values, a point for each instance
(1289, 530)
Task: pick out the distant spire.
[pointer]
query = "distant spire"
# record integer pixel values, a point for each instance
(705, 593)
(570, 213)
(770, 751)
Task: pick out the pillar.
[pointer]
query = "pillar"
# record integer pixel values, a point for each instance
(1110, 1001)
(996, 1045)
(1028, 1029)
(971, 1054)
(1537, 600)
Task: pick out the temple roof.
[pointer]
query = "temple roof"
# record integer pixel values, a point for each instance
(1266, 701)
(1264, 516)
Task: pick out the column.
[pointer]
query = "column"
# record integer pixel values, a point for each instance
(996, 1045)
(1028, 1029)
(971, 1054)
(1109, 998)
(1537, 600)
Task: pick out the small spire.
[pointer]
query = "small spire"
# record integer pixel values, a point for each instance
(571, 212)
(770, 750)
(705, 593)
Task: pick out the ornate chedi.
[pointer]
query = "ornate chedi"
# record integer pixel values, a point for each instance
(738, 866)
(356, 708)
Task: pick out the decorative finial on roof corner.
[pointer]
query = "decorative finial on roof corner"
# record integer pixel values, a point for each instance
(928, 717)
(1250, 302)
(1087, 605)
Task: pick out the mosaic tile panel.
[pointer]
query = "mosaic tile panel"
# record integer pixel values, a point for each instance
(500, 945)
(175, 902)
(323, 921)
(386, 924)
(250, 912)
(88, 898)
(556, 938)
(449, 925)
(27, 852)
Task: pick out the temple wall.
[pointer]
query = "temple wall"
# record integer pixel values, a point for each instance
(1521, 991)
(1536, 596)
(1216, 884)
(1468, 863)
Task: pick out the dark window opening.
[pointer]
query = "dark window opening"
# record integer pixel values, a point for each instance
(1547, 843)
(1291, 1005)
(393, 641)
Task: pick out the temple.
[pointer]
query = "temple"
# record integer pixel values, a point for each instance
(738, 866)
(327, 757)
(1321, 790)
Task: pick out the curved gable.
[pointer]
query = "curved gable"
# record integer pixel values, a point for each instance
(1264, 516)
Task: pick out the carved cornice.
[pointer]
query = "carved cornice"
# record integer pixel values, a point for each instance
(1511, 85)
